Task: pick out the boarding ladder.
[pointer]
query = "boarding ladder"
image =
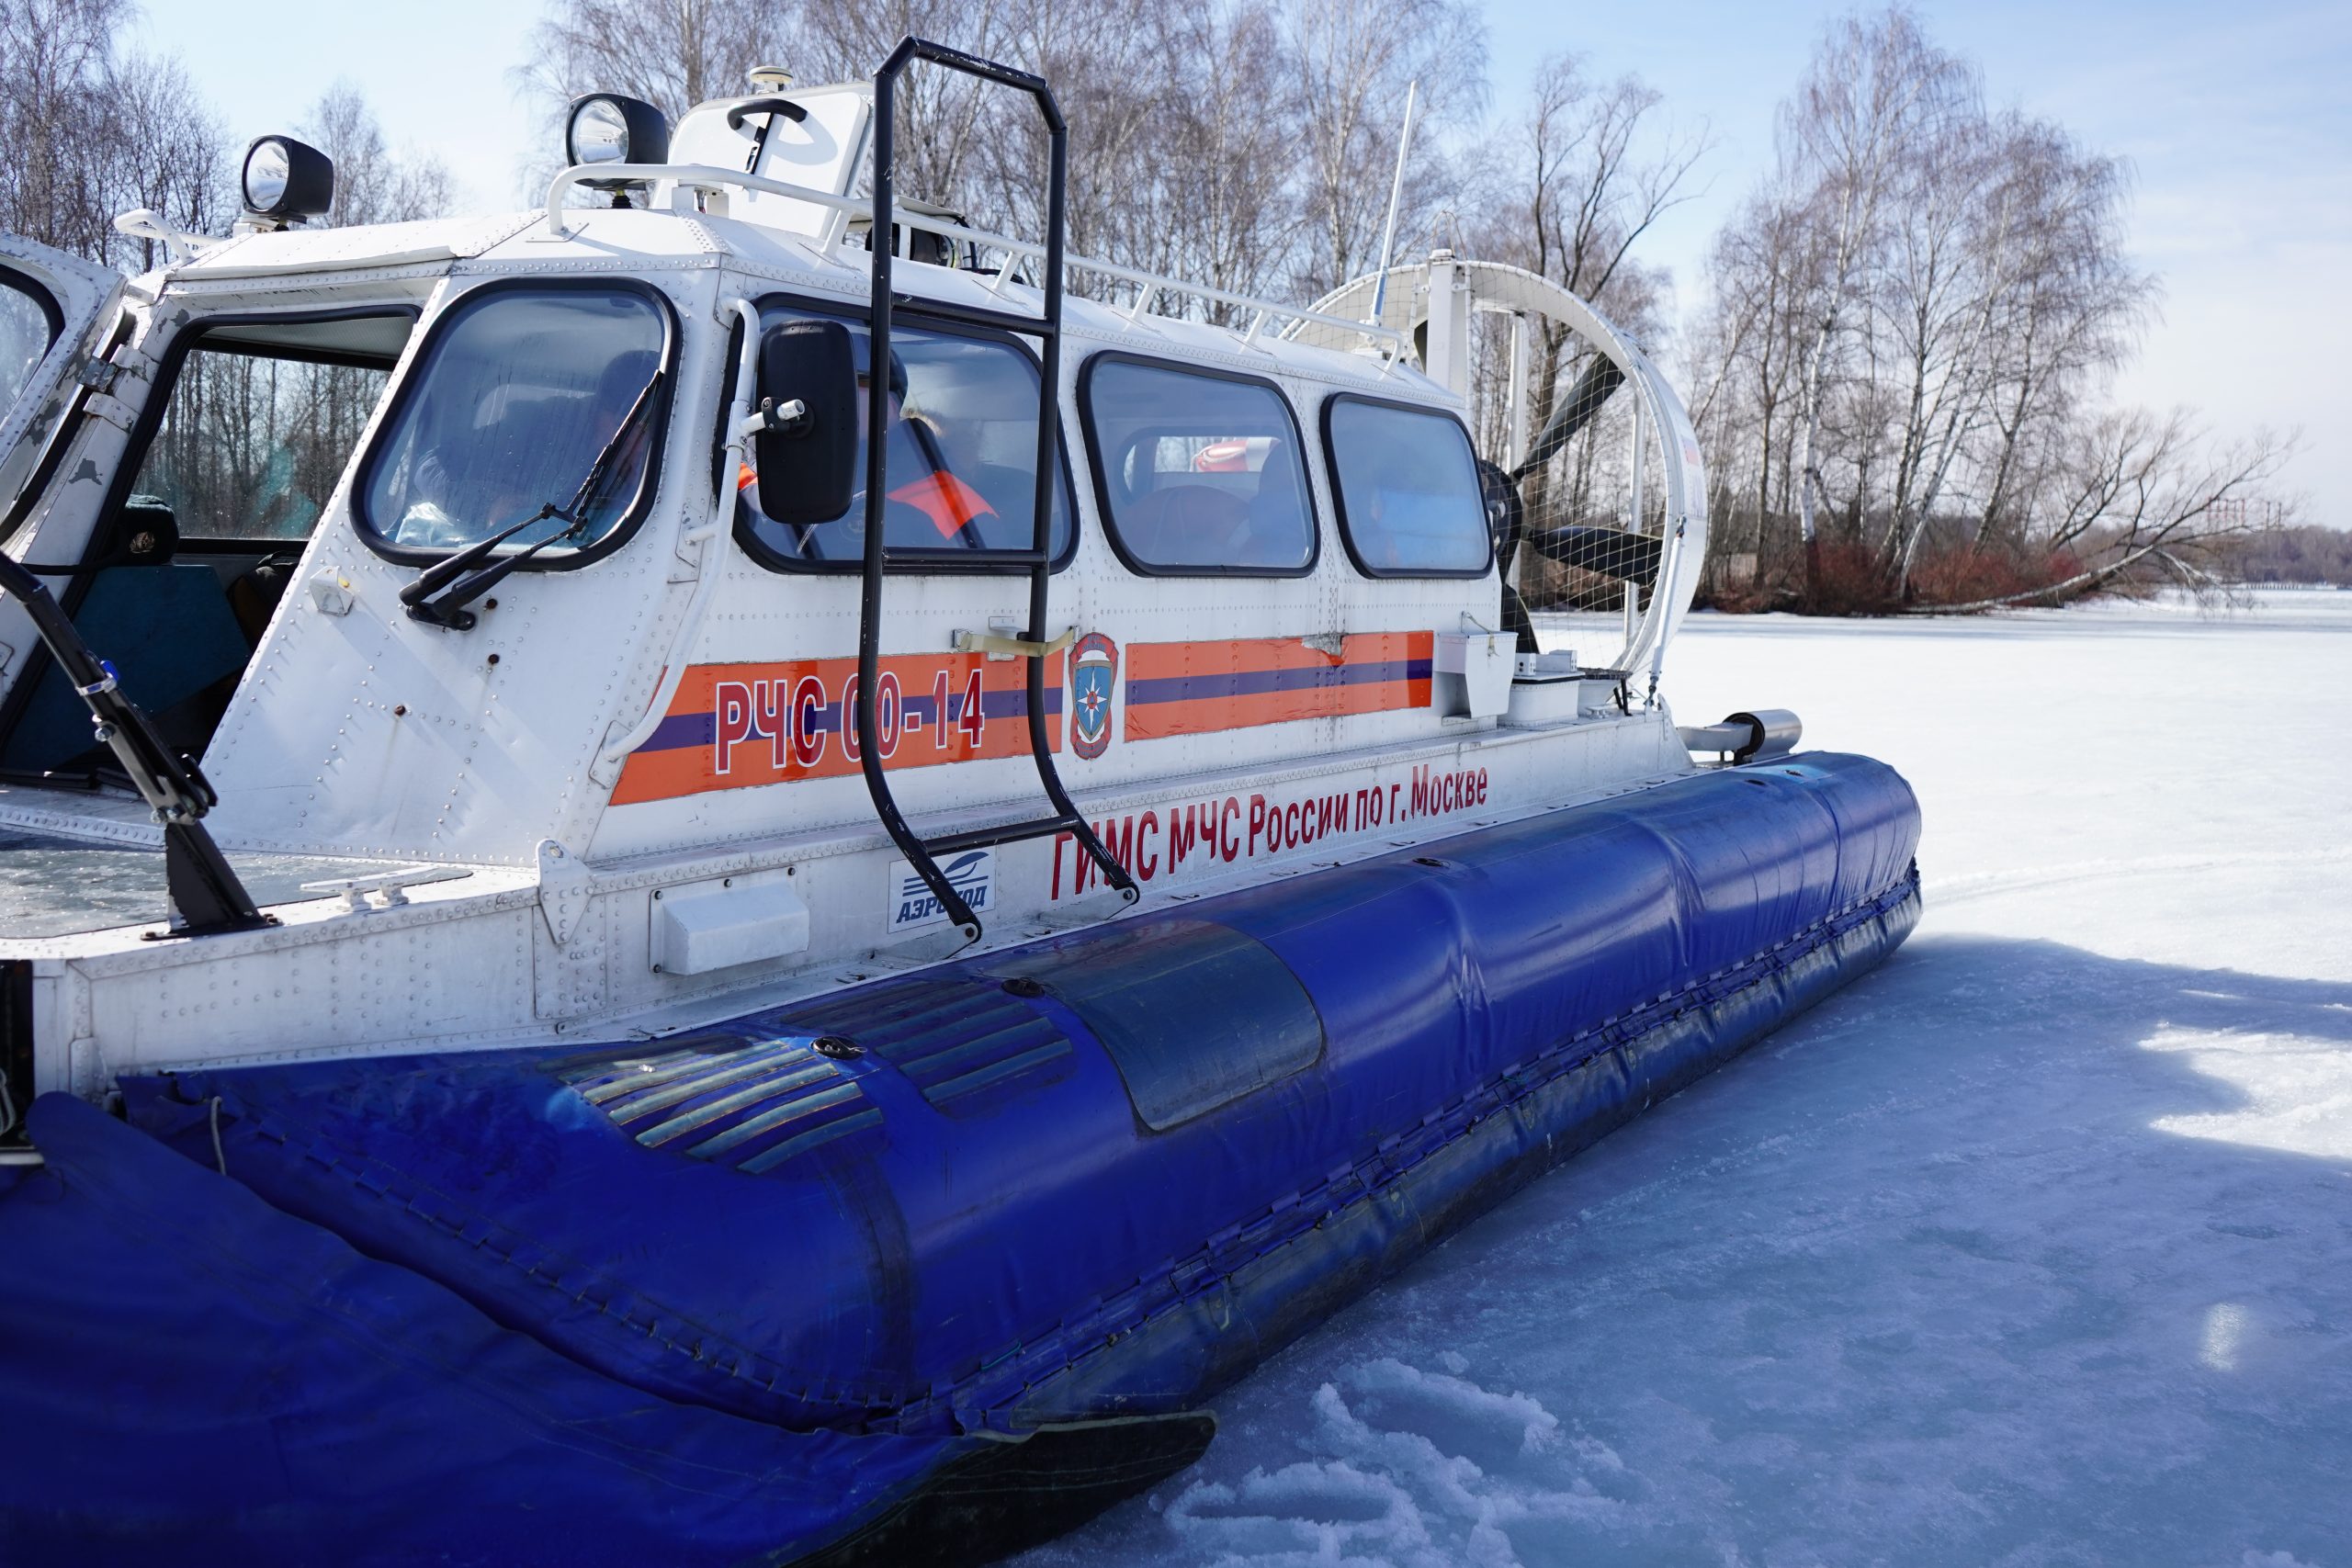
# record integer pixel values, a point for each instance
(1047, 328)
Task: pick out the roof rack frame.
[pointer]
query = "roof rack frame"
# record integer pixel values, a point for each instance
(1149, 286)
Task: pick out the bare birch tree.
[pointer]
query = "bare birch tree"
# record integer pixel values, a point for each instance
(1576, 180)
(1864, 115)
(167, 152)
(2072, 312)
(1232, 141)
(2143, 498)
(1752, 343)
(1912, 320)
(371, 183)
(1350, 62)
(673, 54)
(91, 131)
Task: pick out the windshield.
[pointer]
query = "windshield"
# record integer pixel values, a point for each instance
(962, 452)
(27, 326)
(517, 392)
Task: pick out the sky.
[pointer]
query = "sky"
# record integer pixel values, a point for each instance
(2237, 122)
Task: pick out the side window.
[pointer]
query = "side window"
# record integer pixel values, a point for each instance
(962, 461)
(28, 325)
(1407, 490)
(526, 396)
(253, 438)
(1198, 473)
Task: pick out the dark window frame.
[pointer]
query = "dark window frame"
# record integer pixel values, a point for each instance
(52, 451)
(908, 562)
(26, 283)
(1100, 469)
(420, 356)
(1340, 494)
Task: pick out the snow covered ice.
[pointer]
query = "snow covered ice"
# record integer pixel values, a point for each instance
(2034, 1247)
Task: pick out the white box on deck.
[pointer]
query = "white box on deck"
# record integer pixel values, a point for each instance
(1472, 673)
(718, 924)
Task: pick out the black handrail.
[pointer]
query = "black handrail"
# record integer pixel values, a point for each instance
(205, 895)
(1047, 328)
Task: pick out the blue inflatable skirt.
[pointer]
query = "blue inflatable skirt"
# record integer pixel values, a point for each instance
(925, 1270)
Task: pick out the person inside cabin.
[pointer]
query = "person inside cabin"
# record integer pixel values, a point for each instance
(926, 505)
(521, 446)
(1235, 502)
(931, 483)
(1276, 520)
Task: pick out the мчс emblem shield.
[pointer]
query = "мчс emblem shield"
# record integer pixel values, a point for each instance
(1093, 680)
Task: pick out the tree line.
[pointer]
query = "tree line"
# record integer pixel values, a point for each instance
(94, 128)
(1904, 372)
(1901, 359)
(2296, 553)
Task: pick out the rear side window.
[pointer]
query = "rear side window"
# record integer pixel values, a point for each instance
(1199, 474)
(961, 478)
(1407, 490)
(515, 401)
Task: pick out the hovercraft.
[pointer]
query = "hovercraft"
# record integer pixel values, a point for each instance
(819, 886)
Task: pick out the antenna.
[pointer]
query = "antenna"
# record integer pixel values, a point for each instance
(1395, 194)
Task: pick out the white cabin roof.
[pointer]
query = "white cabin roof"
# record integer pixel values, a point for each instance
(621, 239)
(640, 241)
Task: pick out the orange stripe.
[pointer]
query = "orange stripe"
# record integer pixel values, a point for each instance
(1162, 720)
(1158, 661)
(1241, 658)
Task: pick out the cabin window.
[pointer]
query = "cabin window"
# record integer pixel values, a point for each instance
(1198, 473)
(962, 461)
(253, 438)
(28, 325)
(1407, 484)
(528, 397)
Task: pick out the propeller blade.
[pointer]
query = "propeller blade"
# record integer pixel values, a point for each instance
(1610, 552)
(1600, 378)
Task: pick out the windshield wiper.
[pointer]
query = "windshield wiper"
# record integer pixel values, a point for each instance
(442, 591)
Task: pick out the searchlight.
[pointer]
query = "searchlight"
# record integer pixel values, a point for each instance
(606, 128)
(286, 181)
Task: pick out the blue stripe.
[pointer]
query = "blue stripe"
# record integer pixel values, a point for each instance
(681, 730)
(1257, 682)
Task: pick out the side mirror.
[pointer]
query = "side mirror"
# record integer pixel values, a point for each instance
(807, 470)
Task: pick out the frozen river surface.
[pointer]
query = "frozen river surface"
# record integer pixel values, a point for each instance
(2035, 1248)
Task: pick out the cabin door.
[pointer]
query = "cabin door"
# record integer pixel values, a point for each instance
(53, 307)
(237, 440)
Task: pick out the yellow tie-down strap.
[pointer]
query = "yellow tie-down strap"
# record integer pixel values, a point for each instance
(998, 646)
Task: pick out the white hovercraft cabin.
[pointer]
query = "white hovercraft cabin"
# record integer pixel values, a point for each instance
(553, 685)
